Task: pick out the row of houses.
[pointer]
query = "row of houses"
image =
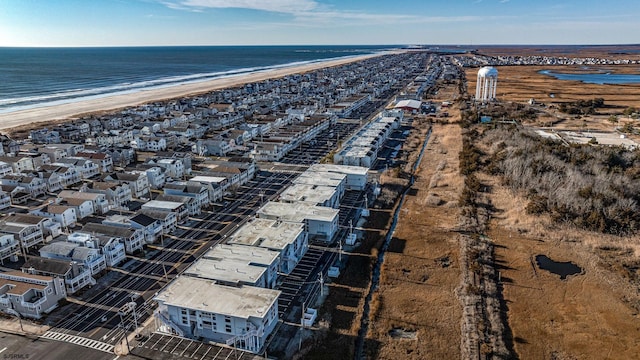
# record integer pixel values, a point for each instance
(241, 274)
(78, 257)
(362, 148)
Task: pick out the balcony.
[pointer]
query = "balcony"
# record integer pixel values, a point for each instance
(33, 304)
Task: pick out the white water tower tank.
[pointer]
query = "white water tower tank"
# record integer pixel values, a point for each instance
(486, 84)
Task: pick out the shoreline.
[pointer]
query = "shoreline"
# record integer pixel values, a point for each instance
(109, 103)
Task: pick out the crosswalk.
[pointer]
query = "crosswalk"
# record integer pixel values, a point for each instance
(78, 340)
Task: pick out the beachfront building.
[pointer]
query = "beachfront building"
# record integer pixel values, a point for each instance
(31, 296)
(242, 317)
(288, 238)
(314, 194)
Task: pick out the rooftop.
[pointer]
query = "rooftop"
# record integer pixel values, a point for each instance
(297, 212)
(205, 295)
(270, 234)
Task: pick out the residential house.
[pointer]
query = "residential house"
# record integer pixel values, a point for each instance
(168, 219)
(178, 208)
(191, 189)
(111, 247)
(91, 258)
(103, 160)
(99, 202)
(5, 200)
(25, 228)
(64, 215)
(117, 194)
(30, 295)
(133, 238)
(137, 182)
(74, 274)
(9, 248)
(190, 203)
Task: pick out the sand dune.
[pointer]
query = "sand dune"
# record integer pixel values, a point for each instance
(114, 102)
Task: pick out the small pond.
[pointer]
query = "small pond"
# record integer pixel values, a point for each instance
(595, 77)
(563, 269)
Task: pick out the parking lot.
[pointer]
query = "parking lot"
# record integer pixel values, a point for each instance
(159, 347)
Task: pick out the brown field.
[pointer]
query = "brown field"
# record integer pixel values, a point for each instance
(593, 315)
(421, 268)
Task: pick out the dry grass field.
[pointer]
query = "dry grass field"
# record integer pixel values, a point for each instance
(415, 313)
(592, 315)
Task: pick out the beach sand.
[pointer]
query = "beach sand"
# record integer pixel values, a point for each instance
(111, 103)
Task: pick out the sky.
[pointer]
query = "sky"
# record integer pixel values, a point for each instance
(54, 23)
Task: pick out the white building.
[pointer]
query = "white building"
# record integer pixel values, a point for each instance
(242, 317)
(356, 175)
(321, 223)
(288, 238)
(238, 265)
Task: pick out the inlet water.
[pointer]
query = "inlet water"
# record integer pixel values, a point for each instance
(563, 269)
(596, 78)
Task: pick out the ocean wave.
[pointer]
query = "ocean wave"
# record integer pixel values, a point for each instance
(75, 95)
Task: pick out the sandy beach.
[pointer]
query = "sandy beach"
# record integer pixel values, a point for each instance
(114, 102)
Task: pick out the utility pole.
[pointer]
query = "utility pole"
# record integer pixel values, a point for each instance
(126, 338)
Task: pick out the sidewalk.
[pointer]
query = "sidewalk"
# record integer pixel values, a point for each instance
(29, 328)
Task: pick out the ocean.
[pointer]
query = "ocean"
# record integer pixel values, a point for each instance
(34, 77)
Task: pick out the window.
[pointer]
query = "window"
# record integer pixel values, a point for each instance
(227, 328)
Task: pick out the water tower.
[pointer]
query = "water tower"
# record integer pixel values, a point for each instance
(487, 83)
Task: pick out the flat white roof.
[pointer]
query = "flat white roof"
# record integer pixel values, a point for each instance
(159, 204)
(204, 295)
(243, 254)
(228, 271)
(343, 169)
(316, 194)
(297, 212)
(320, 178)
(414, 104)
(208, 179)
(270, 234)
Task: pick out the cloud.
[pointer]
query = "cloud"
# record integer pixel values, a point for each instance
(310, 13)
(280, 6)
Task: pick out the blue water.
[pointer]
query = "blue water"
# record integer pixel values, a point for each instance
(596, 78)
(32, 77)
